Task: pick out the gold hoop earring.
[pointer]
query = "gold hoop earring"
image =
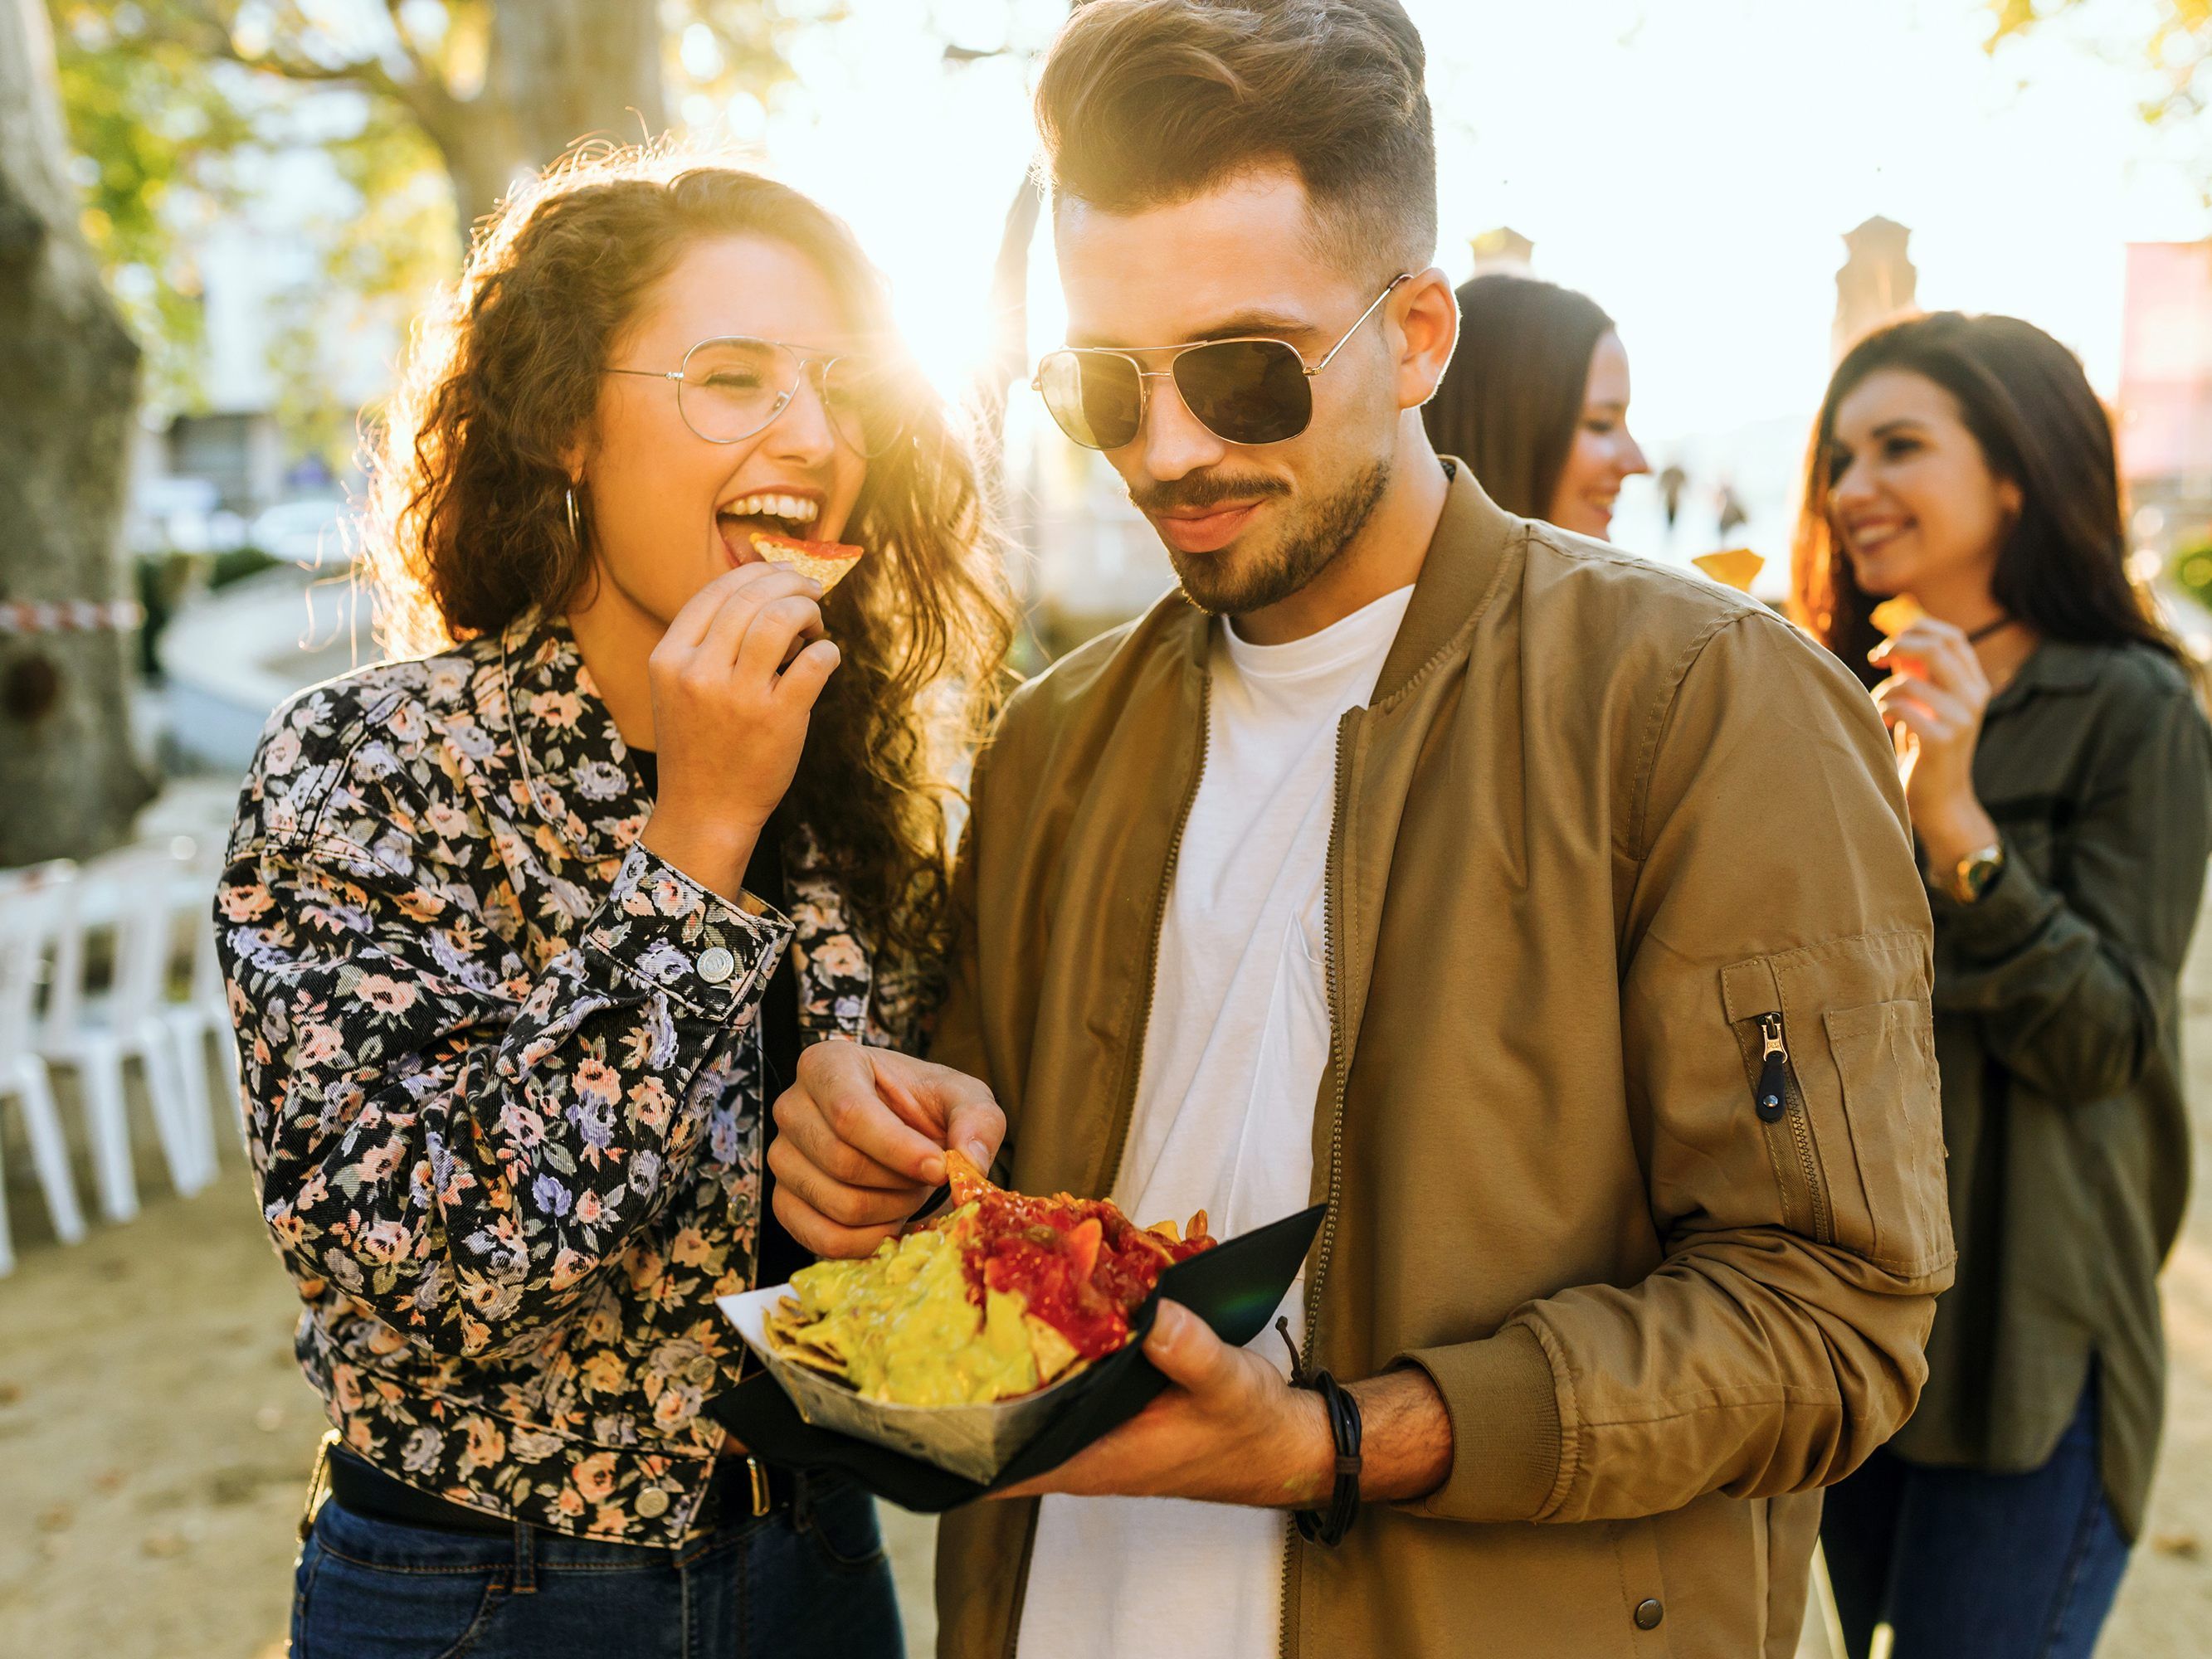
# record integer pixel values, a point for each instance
(576, 532)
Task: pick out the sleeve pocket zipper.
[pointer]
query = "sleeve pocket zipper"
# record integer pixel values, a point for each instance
(1772, 1098)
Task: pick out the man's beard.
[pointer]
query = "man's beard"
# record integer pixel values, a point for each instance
(1309, 540)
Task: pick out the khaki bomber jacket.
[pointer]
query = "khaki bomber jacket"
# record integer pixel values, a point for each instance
(1602, 831)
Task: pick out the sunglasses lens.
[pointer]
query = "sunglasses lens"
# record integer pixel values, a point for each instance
(1249, 392)
(1097, 397)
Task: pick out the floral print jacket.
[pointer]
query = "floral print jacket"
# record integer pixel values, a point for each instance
(503, 1081)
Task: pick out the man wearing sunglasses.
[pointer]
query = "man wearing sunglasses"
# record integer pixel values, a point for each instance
(1549, 915)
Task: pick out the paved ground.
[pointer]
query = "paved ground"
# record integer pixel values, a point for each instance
(155, 1434)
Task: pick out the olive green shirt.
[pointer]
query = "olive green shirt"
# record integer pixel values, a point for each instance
(2057, 1029)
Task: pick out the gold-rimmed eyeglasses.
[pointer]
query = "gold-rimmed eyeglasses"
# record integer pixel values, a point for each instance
(731, 387)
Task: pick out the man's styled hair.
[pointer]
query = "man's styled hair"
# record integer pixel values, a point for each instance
(1144, 103)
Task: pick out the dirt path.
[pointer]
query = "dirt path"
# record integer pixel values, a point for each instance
(154, 1434)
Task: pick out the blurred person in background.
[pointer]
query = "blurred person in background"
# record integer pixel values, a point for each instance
(521, 933)
(2059, 771)
(1535, 400)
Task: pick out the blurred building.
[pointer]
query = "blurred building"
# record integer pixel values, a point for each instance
(253, 265)
(1096, 561)
(1503, 249)
(2165, 393)
(1877, 281)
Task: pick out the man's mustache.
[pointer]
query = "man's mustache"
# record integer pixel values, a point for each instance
(1200, 490)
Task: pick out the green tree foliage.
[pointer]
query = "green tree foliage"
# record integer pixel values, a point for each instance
(425, 109)
(2176, 51)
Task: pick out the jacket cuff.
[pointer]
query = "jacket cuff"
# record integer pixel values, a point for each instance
(1505, 1416)
(2003, 920)
(672, 935)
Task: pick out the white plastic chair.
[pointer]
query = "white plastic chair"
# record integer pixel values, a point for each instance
(98, 1035)
(204, 1015)
(32, 902)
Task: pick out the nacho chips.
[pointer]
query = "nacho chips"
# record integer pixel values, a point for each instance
(828, 562)
(997, 1297)
(1733, 567)
(1893, 616)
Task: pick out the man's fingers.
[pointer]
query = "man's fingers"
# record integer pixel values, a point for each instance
(804, 1134)
(1183, 1348)
(847, 1206)
(823, 1235)
(951, 1106)
(856, 1114)
(977, 1128)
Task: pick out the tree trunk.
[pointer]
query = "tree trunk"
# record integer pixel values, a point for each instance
(71, 780)
(558, 71)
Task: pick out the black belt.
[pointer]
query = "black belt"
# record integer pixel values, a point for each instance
(742, 1487)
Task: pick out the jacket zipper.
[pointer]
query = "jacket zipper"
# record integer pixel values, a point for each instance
(1328, 950)
(1126, 1104)
(1774, 1098)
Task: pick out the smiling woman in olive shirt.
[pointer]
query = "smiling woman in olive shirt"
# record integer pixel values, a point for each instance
(2058, 770)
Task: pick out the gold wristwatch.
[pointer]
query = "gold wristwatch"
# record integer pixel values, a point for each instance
(1974, 872)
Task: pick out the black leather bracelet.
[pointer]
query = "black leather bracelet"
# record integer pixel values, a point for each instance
(1329, 1526)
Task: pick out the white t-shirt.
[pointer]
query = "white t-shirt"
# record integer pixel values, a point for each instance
(1235, 1050)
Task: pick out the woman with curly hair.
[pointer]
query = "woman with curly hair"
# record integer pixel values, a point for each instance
(524, 928)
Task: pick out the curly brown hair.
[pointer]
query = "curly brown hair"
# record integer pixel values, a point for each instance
(467, 527)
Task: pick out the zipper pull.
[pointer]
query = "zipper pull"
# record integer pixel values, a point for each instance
(1773, 1060)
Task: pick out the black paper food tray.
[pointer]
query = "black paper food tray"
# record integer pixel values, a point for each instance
(1235, 1287)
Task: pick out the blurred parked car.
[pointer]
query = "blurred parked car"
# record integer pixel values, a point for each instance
(181, 516)
(314, 530)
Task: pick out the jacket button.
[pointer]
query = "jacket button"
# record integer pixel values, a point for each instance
(1648, 1612)
(716, 964)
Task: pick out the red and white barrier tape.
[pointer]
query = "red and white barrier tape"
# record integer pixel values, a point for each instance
(68, 616)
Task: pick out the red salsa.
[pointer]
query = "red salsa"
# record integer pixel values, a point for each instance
(1081, 1264)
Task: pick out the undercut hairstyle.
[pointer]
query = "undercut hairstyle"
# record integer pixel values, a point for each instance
(1510, 404)
(1147, 103)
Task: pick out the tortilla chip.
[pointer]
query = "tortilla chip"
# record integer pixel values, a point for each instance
(1893, 616)
(828, 562)
(968, 1182)
(1053, 1353)
(1733, 567)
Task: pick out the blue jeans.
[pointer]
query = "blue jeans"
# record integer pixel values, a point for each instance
(814, 1588)
(1968, 1565)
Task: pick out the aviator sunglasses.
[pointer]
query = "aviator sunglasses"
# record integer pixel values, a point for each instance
(1244, 391)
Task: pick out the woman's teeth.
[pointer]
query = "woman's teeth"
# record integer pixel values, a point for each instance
(794, 509)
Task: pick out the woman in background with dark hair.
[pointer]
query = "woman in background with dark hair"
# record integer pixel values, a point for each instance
(1537, 402)
(2058, 773)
